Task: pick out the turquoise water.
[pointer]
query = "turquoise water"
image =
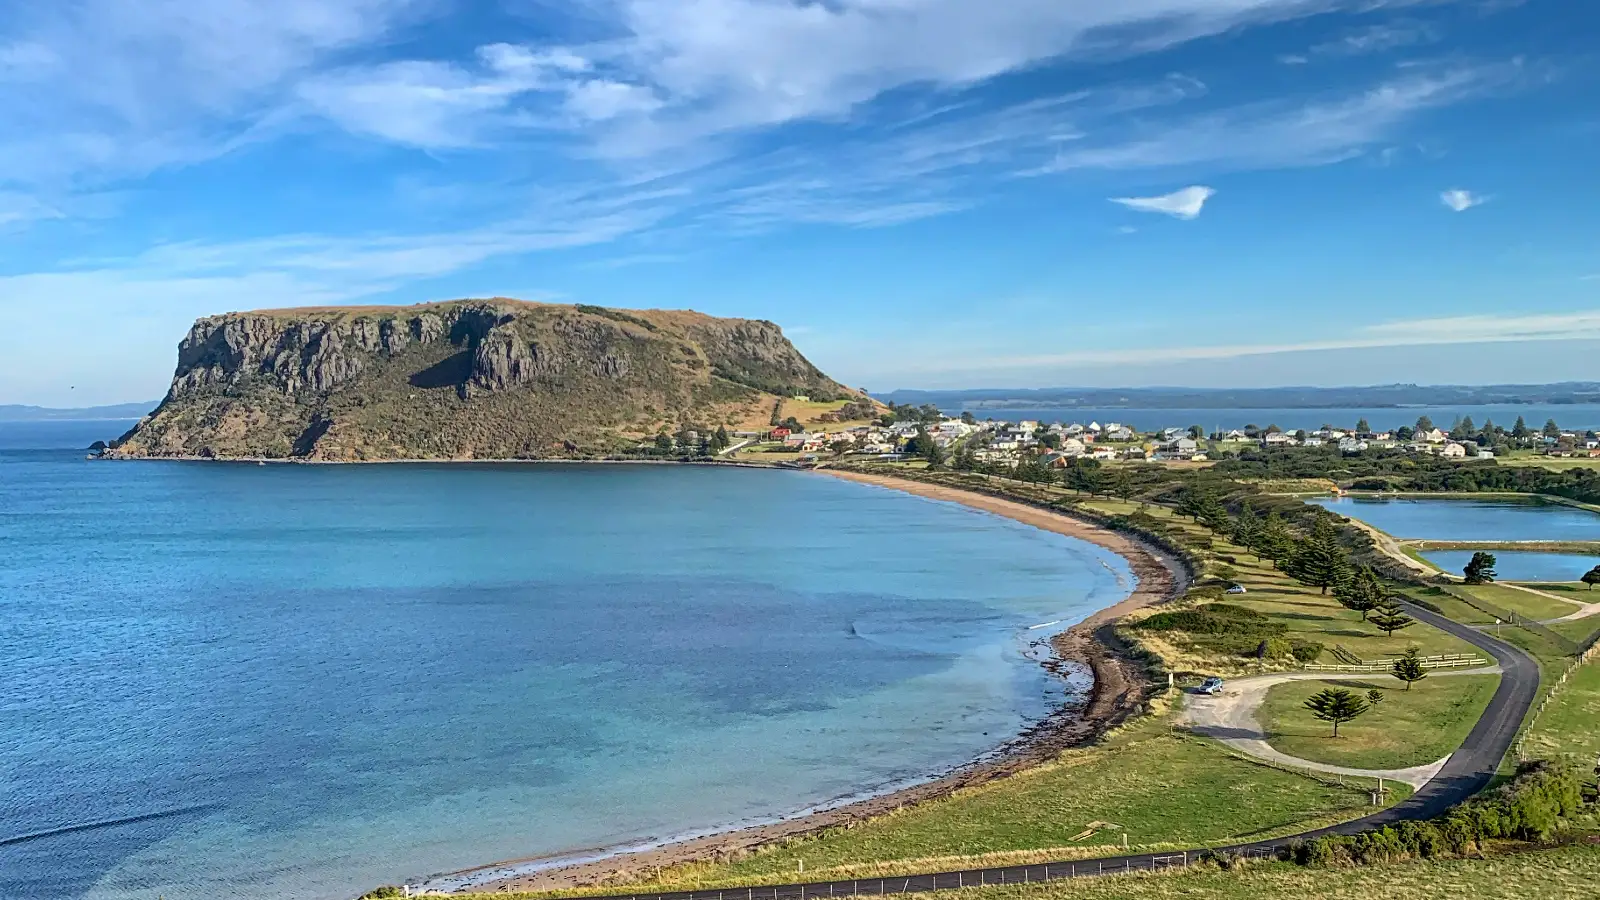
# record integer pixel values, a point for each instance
(1511, 565)
(1470, 520)
(300, 682)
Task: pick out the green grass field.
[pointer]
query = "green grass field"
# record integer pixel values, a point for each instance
(1522, 603)
(1571, 723)
(1308, 614)
(1562, 873)
(1165, 790)
(1409, 728)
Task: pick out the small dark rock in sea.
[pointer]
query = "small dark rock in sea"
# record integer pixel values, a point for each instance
(99, 447)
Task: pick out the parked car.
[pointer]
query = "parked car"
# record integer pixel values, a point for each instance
(1236, 589)
(1212, 685)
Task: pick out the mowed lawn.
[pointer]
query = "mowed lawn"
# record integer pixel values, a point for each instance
(1308, 614)
(1409, 728)
(1571, 723)
(1164, 790)
(1520, 602)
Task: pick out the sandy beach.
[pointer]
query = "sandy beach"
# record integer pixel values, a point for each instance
(1119, 691)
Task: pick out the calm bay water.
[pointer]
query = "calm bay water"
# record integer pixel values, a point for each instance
(1582, 416)
(1469, 520)
(1513, 565)
(299, 682)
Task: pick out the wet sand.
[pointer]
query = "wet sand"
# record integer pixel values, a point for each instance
(1120, 689)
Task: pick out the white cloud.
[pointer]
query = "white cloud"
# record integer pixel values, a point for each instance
(1184, 203)
(1481, 329)
(1283, 134)
(1460, 200)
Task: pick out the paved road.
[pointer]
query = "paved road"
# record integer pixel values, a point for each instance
(1467, 772)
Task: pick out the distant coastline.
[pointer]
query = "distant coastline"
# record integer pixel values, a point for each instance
(1118, 692)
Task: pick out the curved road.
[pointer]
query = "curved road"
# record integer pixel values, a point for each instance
(1468, 771)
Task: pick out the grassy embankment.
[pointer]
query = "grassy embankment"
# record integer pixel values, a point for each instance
(1409, 728)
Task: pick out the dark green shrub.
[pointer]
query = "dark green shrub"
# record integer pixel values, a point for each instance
(1306, 651)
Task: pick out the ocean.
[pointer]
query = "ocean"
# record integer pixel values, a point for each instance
(294, 681)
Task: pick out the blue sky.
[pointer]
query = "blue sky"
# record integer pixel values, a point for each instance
(924, 193)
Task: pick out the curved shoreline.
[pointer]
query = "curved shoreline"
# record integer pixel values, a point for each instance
(1118, 693)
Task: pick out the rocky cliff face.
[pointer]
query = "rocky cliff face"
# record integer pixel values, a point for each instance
(465, 379)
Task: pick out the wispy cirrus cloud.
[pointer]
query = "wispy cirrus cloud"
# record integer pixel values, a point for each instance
(1476, 329)
(1184, 203)
(1459, 200)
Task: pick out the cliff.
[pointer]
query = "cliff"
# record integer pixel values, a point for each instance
(466, 379)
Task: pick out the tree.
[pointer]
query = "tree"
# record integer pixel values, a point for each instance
(1247, 529)
(720, 440)
(968, 418)
(664, 442)
(1362, 593)
(1362, 427)
(1592, 577)
(966, 460)
(1121, 484)
(1274, 541)
(1196, 432)
(1374, 696)
(1520, 430)
(1320, 560)
(1424, 423)
(934, 454)
(1409, 668)
(1552, 430)
(1336, 705)
(1480, 569)
(1390, 617)
(1083, 476)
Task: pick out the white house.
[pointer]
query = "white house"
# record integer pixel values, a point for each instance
(1119, 433)
(1453, 450)
(1277, 439)
(1431, 437)
(1351, 445)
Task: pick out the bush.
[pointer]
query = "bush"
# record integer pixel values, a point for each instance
(383, 893)
(1213, 618)
(1529, 808)
(1306, 651)
(1274, 648)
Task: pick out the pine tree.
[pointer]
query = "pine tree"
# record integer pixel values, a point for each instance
(1362, 593)
(1320, 560)
(1551, 429)
(1424, 423)
(1592, 577)
(1409, 668)
(1480, 570)
(1520, 430)
(1362, 427)
(1274, 541)
(1336, 705)
(1390, 617)
(1247, 529)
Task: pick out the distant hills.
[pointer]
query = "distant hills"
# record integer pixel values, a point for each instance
(467, 379)
(1377, 396)
(15, 413)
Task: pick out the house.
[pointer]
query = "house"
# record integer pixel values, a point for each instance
(796, 440)
(1277, 439)
(1074, 429)
(1072, 447)
(1485, 453)
(1103, 453)
(1120, 433)
(1453, 450)
(1094, 427)
(779, 433)
(1235, 435)
(1184, 446)
(1352, 445)
(1027, 426)
(1431, 437)
(1312, 441)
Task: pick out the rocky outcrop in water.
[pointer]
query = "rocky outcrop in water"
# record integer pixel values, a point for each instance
(464, 379)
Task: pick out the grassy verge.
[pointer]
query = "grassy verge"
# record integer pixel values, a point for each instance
(1409, 728)
(1571, 723)
(1522, 603)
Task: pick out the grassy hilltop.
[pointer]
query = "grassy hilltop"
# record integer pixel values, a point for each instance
(466, 379)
